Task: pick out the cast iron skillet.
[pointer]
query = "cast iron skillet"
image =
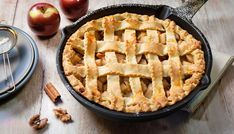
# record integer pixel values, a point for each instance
(181, 15)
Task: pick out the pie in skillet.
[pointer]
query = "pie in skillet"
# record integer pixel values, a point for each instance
(133, 63)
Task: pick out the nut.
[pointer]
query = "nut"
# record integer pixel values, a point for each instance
(62, 114)
(37, 123)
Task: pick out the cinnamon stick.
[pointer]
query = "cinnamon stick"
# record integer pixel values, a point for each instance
(52, 92)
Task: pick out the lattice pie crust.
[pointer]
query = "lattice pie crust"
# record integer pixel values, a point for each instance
(133, 63)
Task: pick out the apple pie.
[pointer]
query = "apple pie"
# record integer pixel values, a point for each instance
(133, 63)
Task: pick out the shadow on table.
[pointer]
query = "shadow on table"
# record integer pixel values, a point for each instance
(169, 124)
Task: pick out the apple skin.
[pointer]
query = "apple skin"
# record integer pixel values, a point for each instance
(74, 9)
(43, 19)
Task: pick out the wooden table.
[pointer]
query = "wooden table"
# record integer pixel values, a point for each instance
(215, 116)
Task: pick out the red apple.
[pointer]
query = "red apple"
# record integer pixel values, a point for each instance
(43, 19)
(74, 9)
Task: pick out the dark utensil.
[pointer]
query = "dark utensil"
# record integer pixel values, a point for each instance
(181, 15)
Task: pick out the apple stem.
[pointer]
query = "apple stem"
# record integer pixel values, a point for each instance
(42, 9)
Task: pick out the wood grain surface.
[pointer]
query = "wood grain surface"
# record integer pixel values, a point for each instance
(215, 116)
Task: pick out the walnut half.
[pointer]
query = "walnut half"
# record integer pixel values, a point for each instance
(62, 114)
(37, 123)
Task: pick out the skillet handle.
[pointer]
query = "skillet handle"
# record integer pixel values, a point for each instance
(190, 8)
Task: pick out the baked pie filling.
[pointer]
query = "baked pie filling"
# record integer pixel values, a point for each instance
(133, 63)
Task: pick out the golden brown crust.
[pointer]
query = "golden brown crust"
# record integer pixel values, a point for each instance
(98, 56)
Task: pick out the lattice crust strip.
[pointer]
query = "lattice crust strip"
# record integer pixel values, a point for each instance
(130, 70)
(175, 71)
(102, 46)
(90, 68)
(137, 102)
(112, 98)
(160, 39)
(158, 98)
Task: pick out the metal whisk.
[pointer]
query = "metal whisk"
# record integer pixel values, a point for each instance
(8, 38)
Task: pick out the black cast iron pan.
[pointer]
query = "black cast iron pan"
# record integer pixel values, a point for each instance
(181, 15)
